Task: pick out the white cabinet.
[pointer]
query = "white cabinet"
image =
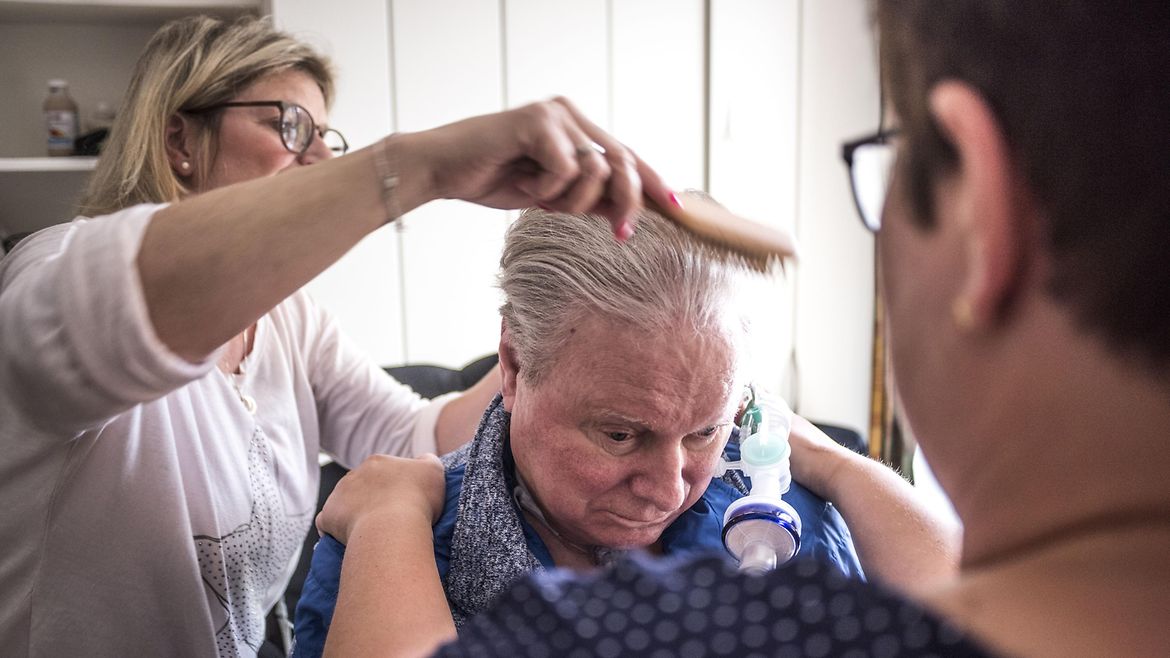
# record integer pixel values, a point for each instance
(462, 57)
(789, 81)
(658, 85)
(447, 66)
(364, 288)
(754, 129)
(37, 192)
(574, 64)
(835, 281)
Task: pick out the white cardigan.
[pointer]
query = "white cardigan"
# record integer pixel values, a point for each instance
(143, 509)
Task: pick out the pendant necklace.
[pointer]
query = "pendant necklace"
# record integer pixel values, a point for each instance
(247, 400)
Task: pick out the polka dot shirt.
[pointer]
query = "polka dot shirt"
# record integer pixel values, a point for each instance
(705, 607)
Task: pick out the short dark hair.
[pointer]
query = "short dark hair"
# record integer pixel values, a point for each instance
(1081, 90)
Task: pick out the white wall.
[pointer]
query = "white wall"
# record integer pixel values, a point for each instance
(834, 297)
(364, 288)
(754, 54)
(657, 84)
(447, 63)
(576, 67)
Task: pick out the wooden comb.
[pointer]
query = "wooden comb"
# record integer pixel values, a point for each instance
(759, 246)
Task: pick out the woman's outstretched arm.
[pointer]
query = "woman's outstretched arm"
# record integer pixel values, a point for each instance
(212, 264)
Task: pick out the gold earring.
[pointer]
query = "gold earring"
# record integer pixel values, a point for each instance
(963, 313)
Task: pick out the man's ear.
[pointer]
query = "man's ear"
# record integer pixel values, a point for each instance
(509, 368)
(180, 153)
(988, 200)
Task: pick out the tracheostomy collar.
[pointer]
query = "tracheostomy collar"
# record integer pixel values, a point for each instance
(600, 555)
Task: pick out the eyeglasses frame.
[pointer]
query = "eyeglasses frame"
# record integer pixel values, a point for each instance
(882, 137)
(282, 106)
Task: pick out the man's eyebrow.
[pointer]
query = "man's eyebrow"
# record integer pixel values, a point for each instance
(602, 416)
(726, 420)
(610, 416)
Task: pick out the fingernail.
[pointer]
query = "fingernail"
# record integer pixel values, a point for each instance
(675, 200)
(543, 207)
(625, 232)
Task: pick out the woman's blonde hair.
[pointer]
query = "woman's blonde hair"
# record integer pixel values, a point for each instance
(190, 63)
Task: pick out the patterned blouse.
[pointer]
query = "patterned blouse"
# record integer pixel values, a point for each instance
(705, 607)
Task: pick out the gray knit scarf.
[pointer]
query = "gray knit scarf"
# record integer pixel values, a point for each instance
(488, 549)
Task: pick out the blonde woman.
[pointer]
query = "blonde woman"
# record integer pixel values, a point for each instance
(165, 388)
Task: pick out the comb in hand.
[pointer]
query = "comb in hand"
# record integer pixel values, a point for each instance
(760, 246)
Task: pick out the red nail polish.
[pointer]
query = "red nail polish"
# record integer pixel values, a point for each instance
(675, 200)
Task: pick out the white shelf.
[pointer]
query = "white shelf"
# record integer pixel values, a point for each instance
(39, 192)
(118, 11)
(39, 165)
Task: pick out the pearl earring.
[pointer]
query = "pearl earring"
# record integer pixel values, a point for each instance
(185, 166)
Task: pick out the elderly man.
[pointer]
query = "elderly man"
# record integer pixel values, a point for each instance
(622, 372)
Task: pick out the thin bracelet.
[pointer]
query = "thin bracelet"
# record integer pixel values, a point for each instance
(389, 179)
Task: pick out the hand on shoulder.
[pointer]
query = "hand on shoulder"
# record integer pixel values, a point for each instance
(384, 490)
(818, 462)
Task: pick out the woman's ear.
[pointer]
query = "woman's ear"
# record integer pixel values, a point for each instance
(987, 200)
(179, 139)
(509, 368)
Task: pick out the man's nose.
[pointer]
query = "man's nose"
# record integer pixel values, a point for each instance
(660, 480)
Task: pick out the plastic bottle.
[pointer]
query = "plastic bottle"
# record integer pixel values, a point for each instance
(60, 118)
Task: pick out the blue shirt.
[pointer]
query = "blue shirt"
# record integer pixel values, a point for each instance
(698, 530)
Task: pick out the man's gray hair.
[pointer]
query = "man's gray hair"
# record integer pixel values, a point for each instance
(558, 269)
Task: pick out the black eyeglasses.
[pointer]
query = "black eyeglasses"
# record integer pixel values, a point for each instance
(296, 127)
(870, 161)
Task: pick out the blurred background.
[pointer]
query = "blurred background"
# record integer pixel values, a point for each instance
(748, 100)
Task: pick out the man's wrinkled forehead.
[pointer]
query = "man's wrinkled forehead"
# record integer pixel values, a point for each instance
(658, 384)
(662, 411)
